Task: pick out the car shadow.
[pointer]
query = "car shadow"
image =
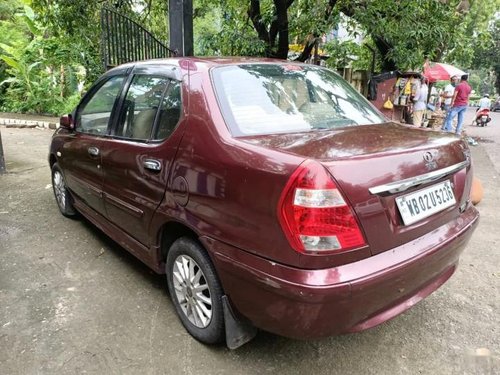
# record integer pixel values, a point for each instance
(134, 264)
(158, 282)
(265, 347)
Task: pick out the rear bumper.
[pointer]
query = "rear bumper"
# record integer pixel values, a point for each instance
(306, 304)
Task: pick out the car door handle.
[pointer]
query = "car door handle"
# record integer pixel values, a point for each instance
(93, 151)
(152, 165)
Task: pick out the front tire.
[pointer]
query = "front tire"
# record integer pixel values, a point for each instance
(61, 193)
(195, 291)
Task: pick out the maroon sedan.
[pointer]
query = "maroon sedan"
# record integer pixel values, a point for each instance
(271, 193)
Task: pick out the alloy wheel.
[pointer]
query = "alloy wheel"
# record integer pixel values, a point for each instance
(59, 189)
(192, 291)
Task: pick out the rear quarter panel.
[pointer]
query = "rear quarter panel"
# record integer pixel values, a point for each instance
(233, 188)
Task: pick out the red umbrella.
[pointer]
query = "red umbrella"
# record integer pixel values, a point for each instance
(441, 72)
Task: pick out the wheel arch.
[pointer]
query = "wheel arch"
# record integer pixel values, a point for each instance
(52, 160)
(236, 331)
(171, 231)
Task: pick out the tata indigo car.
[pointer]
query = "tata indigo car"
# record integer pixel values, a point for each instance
(270, 193)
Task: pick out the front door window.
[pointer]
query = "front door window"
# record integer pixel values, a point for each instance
(94, 114)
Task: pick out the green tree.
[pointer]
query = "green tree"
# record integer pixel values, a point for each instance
(76, 24)
(406, 32)
(51, 45)
(403, 32)
(40, 75)
(224, 29)
(8, 10)
(487, 55)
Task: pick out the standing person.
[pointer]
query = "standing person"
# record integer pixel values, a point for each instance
(448, 92)
(447, 95)
(459, 105)
(420, 100)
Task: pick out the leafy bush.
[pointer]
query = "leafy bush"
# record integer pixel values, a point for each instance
(40, 73)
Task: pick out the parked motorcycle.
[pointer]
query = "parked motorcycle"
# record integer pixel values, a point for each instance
(482, 117)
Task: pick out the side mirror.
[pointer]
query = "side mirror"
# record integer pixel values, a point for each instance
(66, 122)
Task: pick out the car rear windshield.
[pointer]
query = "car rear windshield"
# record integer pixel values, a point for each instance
(279, 98)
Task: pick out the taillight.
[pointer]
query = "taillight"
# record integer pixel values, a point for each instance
(314, 215)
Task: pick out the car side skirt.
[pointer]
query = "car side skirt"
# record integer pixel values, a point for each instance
(148, 256)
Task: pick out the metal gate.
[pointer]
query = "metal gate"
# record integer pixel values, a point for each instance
(124, 40)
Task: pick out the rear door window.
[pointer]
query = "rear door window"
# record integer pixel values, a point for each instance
(140, 108)
(170, 112)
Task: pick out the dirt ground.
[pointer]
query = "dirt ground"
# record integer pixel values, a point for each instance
(72, 301)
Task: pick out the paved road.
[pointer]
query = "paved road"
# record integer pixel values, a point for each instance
(72, 301)
(488, 136)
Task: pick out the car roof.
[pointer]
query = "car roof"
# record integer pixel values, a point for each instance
(212, 61)
(186, 63)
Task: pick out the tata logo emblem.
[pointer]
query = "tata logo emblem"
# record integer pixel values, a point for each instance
(429, 161)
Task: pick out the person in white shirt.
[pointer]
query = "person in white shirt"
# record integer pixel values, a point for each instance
(447, 95)
(420, 101)
(485, 102)
(448, 92)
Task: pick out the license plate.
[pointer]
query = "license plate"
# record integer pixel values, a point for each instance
(426, 202)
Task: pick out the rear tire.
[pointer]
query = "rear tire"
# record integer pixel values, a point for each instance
(195, 291)
(63, 197)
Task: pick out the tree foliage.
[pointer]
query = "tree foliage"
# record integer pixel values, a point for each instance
(487, 56)
(52, 46)
(39, 73)
(404, 32)
(51, 49)
(223, 28)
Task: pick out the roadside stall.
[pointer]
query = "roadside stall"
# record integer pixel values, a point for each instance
(392, 93)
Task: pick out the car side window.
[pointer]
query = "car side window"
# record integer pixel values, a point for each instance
(94, 115)
(140, 107)
(170, 111)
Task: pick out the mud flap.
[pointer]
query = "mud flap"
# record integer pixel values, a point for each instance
(238, 332)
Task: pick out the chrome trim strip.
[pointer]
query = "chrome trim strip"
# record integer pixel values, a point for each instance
(124, 206)
(91, 188)
(402, 185)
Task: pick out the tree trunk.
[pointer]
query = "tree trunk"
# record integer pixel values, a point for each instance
(276, 38)
(312, 40)
(384, 48)
(282, 24)
(307, 51)
(256, 18)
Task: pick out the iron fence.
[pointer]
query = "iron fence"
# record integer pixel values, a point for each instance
(124, 40)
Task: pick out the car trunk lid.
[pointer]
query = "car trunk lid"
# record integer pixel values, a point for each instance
(376, 165)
